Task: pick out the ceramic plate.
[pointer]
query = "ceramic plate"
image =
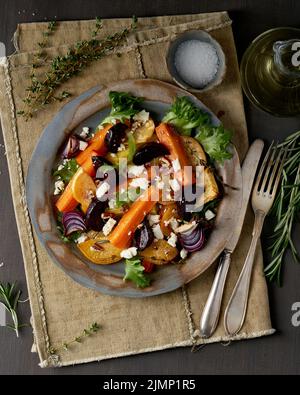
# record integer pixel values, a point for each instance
(88, 110)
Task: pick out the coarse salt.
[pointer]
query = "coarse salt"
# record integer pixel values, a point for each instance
(197, 62)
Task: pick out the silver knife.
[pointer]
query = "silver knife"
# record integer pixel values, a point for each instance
(210, 316)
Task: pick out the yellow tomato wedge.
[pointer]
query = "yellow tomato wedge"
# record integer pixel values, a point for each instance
(99, 252)
(159, 252)
(197, 155)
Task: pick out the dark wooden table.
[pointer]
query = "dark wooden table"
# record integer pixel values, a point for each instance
(278, 354)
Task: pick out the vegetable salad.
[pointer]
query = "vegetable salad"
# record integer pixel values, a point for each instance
(140, 191)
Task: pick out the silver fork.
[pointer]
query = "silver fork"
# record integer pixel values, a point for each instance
(263, 196)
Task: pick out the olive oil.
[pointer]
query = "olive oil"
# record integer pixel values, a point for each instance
(270, 72)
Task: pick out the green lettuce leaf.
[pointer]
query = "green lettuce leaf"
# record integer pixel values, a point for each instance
(69, 168)
(185, 116)
(215, 141)
(134, 271)
(123, 106)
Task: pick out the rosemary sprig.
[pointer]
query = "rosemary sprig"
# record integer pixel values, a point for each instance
(43, 90)
(94, 328)
(286, 210)
(10, 298)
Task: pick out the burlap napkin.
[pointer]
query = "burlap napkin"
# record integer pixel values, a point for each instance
(60, 307)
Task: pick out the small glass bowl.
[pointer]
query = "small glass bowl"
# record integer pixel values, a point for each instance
(204, 37)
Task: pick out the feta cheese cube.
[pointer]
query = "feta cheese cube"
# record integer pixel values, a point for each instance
(82, 238)
(209, 215)
(141, 116)
(176, 165)
(183, 253)
(174, 184)
(135, 171)
(158, 234)
(129, 253)
(59, 186)
(172, 240)
(174, 223)
(139, 183)
(108, 227)
(160, 185)
(85, 132)
(102, 189)
(82, 145)
(112, 203)
(121, 147)
(153, 219)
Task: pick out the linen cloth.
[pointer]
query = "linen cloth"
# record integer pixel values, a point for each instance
(60, 307)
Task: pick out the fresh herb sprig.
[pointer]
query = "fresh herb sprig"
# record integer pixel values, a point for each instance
(286, 210)
(66, 170)
(10, 298)
(44, 89)
(40, 56)
(92, 329)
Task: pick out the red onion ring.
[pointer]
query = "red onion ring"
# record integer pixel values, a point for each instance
(72, 147)
(73, 222)
(193, 241)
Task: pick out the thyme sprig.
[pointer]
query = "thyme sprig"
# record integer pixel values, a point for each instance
(40, 56)
(44, 89)
(286, 210)
(10, 298)
(93, 328)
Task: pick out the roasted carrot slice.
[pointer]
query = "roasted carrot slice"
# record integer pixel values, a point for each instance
(124, 231)
(167, 136)
(88, 166)
(66, 201)
(96, 144)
